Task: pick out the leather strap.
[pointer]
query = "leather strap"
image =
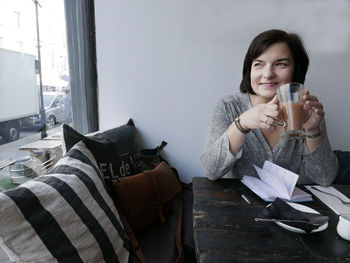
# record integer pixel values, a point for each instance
(156, 189)
(134, 243)
(180, 257)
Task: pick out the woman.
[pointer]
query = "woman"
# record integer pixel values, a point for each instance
(243, 128)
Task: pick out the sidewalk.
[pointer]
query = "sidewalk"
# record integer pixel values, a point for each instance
(9, 151)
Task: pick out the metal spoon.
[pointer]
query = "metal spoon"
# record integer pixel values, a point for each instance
(315, 221)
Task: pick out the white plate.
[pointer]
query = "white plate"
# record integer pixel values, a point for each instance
(302, 208)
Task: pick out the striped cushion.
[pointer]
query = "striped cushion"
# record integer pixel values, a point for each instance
(65, 216)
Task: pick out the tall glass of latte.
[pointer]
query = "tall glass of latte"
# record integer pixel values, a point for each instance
(290, 96)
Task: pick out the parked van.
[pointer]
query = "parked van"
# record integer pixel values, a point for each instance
(19, 93)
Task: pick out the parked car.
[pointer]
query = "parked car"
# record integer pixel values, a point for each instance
(54, 110)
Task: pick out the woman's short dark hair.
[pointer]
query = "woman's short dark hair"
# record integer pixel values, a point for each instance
(264, 40)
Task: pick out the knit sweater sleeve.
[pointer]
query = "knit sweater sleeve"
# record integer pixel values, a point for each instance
(321, 166)
(217, 158)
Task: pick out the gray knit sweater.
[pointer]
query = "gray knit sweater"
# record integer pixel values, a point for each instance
(320, 167)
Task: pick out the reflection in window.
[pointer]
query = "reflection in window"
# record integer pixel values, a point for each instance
(17, 19)
(18, 36)
(19, 52)
(19, 45)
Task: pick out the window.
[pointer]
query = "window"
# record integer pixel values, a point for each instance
(19, 45)
(67, 61)
(17, 19)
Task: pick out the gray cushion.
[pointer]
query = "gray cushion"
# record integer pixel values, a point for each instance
(114, 149)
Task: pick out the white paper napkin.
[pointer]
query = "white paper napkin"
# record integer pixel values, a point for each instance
(331, 201)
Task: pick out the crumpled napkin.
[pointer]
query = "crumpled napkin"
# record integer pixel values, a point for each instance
(279, 209)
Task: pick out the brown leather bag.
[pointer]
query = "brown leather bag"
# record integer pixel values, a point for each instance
(145, 198)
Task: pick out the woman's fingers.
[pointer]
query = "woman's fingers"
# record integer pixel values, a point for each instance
(269, 114)
(311, 97)
(315, 104)
(313, 109)
(262, 116)
(267, 124)
(274, 101)
(312, 104)
(271, 110)
(271, 123)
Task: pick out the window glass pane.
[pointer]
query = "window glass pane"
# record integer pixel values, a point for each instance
(20, 96)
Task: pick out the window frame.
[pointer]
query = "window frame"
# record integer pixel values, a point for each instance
(81, 44)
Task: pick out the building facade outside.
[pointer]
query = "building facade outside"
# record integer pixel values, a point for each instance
(18, 33)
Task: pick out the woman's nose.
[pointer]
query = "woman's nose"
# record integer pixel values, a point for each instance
(268, 72)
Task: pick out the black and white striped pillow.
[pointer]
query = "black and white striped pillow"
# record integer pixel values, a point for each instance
(65, 216)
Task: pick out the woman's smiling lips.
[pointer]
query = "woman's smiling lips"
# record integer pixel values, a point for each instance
(269, 84)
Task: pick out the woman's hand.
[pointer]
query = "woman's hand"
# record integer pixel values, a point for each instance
(313, 111)
(261, 116)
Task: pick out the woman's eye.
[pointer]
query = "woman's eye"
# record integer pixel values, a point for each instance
(281, 64)
(256, 65)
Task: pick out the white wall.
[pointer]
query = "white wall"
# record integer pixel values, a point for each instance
(166, 63)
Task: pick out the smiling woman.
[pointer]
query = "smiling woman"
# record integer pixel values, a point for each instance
(273, 68)
(243, 128)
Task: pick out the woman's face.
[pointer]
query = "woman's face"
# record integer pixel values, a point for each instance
(273, 68)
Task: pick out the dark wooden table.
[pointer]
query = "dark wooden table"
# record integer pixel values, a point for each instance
(225, 230)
